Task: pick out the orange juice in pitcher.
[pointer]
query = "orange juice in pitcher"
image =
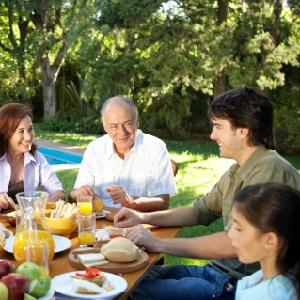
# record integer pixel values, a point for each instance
(37, 237)
(33, 227)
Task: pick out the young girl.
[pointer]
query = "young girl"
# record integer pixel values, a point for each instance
(265, 228)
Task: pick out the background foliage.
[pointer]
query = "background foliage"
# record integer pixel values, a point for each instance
(172, 57)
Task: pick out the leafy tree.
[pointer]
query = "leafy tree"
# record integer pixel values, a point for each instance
(168, 57)
(39, 35)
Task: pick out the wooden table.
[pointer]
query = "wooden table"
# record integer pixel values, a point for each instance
(60, 264)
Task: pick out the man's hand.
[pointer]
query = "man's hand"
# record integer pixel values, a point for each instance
(6, 202)
(127, 217)
(141, 236)
(119, 195)
(84, 190)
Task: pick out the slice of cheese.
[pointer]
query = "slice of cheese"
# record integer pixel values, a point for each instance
(90, 257)
(95, 263)
(85, 287)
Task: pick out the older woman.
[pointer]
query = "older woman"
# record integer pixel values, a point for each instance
(22, 167)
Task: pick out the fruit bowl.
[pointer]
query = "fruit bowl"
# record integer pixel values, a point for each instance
(62, 226)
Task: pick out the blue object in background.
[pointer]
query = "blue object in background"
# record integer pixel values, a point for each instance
(55, 157)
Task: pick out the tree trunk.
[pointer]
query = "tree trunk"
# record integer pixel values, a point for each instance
(49, 94)
(219, 85)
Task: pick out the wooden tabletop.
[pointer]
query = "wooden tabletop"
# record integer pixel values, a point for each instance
(60, 264)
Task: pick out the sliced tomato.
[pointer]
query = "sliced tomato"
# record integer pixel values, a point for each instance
(90, 273)
(116, 235)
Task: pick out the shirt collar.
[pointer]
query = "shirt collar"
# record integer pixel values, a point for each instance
(110, 150)
(252, 161)
(28, 157)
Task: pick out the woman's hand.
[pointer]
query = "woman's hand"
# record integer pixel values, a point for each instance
(6, 202)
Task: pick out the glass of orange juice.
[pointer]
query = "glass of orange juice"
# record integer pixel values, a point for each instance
(85, 204)
(86, 228)
(38, 253)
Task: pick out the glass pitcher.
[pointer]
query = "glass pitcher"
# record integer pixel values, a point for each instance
(33, 227)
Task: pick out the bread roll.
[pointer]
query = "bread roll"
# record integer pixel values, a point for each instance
(120, 249)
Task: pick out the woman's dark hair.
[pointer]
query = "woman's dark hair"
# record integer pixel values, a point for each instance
(274, 207)
(10, 116)
(247, 107)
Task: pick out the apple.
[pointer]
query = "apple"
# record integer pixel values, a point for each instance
(5, 268)
(29, 297)
(17, 284)
(3, 291)
(39, 287)
(30, 269)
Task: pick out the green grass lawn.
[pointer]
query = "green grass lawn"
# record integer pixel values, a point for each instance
(199, 169)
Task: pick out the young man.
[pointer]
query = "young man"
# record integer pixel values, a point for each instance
(243, 128)
(125, 167)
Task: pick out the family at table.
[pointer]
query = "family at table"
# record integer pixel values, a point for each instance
(258, 198)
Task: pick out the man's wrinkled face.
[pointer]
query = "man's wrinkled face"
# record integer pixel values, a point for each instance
(119, 123)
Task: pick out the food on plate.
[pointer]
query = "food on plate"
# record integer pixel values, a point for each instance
(120, 249)
(98, 204)
(4, 230)
(64, 210)
(85, 287)
(84, 250)
(2, 240)
(92, 259)
(114, 230)
(112, 236)
(109, 217)
(11, 217)
(89, 282)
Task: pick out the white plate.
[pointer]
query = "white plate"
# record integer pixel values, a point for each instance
(61, 243)
(63, 286)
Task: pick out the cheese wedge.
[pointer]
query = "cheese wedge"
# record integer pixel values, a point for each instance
(85, 287)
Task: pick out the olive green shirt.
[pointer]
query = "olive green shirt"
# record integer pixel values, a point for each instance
(262, 166)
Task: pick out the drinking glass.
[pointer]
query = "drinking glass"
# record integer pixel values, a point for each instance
(86, 228)
(38, 253)
(85, 204)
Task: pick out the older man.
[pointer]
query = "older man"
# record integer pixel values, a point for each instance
(125, 167)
